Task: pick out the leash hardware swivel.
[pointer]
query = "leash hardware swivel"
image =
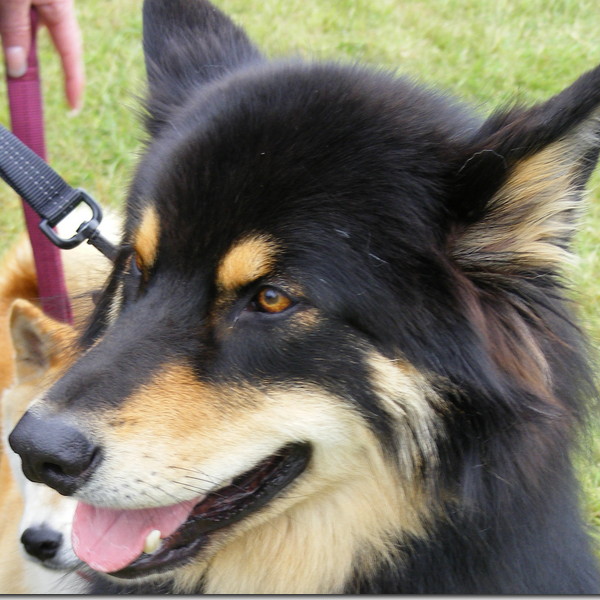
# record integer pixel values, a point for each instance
(88, 230)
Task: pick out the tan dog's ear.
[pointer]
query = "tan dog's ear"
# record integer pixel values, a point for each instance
(38, 340)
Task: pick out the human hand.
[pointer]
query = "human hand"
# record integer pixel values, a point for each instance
(60, 19)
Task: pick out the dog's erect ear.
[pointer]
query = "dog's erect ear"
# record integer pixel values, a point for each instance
(38, 340)
(187, 43)
(517, 198)
(519, 185)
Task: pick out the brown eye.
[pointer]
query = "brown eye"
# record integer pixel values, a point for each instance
(272, 300)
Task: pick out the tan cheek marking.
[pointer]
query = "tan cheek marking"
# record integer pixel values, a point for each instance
(146, 237)
(173, 404)
(353, 505)
(407, 395)
(247, 260)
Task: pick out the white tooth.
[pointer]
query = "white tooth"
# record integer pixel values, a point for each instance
(152, 543)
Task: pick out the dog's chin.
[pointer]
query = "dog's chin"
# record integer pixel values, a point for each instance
(248, 493)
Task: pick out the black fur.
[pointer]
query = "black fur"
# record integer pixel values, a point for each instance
(368, 181)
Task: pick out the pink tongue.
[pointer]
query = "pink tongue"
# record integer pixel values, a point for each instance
(109, 539)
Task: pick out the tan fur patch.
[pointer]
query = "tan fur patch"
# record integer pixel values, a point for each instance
(345, 512)
(41, 344)
(529, 219)
(17, 280)
(177, 438)
(409, 400)
(528, 226)
(178, 419)
(175, 395)
(247, 260)
(146, 238)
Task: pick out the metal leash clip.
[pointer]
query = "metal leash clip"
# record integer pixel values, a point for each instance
(47, 193)
(88, 230)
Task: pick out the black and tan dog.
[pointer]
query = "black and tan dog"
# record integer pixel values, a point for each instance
(335, 353)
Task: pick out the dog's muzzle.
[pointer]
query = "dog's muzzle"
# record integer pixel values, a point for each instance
(54, 452)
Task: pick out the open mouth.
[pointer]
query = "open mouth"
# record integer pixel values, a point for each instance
(139, 549)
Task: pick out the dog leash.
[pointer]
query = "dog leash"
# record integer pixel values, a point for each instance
(26, 113)
(45, 194)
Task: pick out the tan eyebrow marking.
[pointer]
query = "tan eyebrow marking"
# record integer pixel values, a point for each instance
(146, 237)
(248, 259)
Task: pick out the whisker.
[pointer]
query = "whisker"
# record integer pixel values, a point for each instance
(196, 489)
(206, 479)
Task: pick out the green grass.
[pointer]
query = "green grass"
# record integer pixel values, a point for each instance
(487, 52)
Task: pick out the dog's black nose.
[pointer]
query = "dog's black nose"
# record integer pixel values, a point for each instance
(54, 452)
(41, 542)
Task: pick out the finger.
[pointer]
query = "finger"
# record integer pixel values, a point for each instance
(15, 30)
(59, 17)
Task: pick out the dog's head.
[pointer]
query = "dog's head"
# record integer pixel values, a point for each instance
(325, 271)
(41, 352)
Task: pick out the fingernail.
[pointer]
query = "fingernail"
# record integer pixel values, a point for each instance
(16, 61)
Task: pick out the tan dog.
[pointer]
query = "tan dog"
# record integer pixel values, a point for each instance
(35, 531)
(40, 350)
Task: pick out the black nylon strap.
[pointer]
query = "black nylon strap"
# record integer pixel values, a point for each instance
(31, 177)
(48, 194)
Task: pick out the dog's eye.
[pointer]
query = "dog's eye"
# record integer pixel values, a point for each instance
(271, 300)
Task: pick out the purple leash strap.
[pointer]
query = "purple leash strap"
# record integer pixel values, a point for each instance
(27, 122)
